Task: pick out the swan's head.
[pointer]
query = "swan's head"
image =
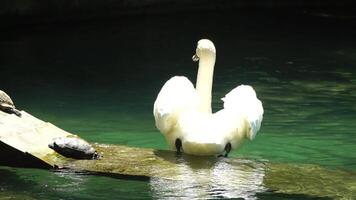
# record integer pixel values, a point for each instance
(205, 47)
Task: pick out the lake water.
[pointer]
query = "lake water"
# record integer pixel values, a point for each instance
(99, 80)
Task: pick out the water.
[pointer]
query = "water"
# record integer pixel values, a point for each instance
(99, 80)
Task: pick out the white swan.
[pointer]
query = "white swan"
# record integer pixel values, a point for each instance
(183, 113)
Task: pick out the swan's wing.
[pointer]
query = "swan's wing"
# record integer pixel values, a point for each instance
(243, 101)
(177, 94)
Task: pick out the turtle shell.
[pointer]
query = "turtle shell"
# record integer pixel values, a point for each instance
(73, 147)
(5, 100)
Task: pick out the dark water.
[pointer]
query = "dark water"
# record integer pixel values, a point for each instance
(99, 80)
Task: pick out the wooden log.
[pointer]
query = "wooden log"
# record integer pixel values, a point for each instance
(24, 143)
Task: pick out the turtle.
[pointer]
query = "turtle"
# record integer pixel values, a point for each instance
(74, 147)
(7, 105)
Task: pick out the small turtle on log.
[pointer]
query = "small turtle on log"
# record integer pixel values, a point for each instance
(73, 147)
(7, 105)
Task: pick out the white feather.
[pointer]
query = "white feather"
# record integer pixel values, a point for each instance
(243, 101)
(177, 95)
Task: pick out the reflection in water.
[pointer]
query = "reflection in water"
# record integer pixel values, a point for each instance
(214, 178)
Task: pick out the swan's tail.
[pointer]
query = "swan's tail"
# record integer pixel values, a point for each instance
(243, 101)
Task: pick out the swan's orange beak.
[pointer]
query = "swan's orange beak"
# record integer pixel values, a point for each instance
(195, 58)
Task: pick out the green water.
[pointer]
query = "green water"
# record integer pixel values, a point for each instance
(99, 80)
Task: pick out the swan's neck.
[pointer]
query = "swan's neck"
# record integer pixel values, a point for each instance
(205, 80)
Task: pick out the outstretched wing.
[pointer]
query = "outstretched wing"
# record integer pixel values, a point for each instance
(243, 101)
(177, 94)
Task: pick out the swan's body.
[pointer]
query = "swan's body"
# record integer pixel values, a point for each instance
(183, 112)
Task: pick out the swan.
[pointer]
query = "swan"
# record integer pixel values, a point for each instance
(183, 113)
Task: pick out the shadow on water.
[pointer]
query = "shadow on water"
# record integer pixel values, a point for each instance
(32, 183)
(199, 162)
(12, 186)
(23, 184)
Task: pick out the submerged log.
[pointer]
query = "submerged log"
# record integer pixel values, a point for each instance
(24, 143)
(234, 176)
